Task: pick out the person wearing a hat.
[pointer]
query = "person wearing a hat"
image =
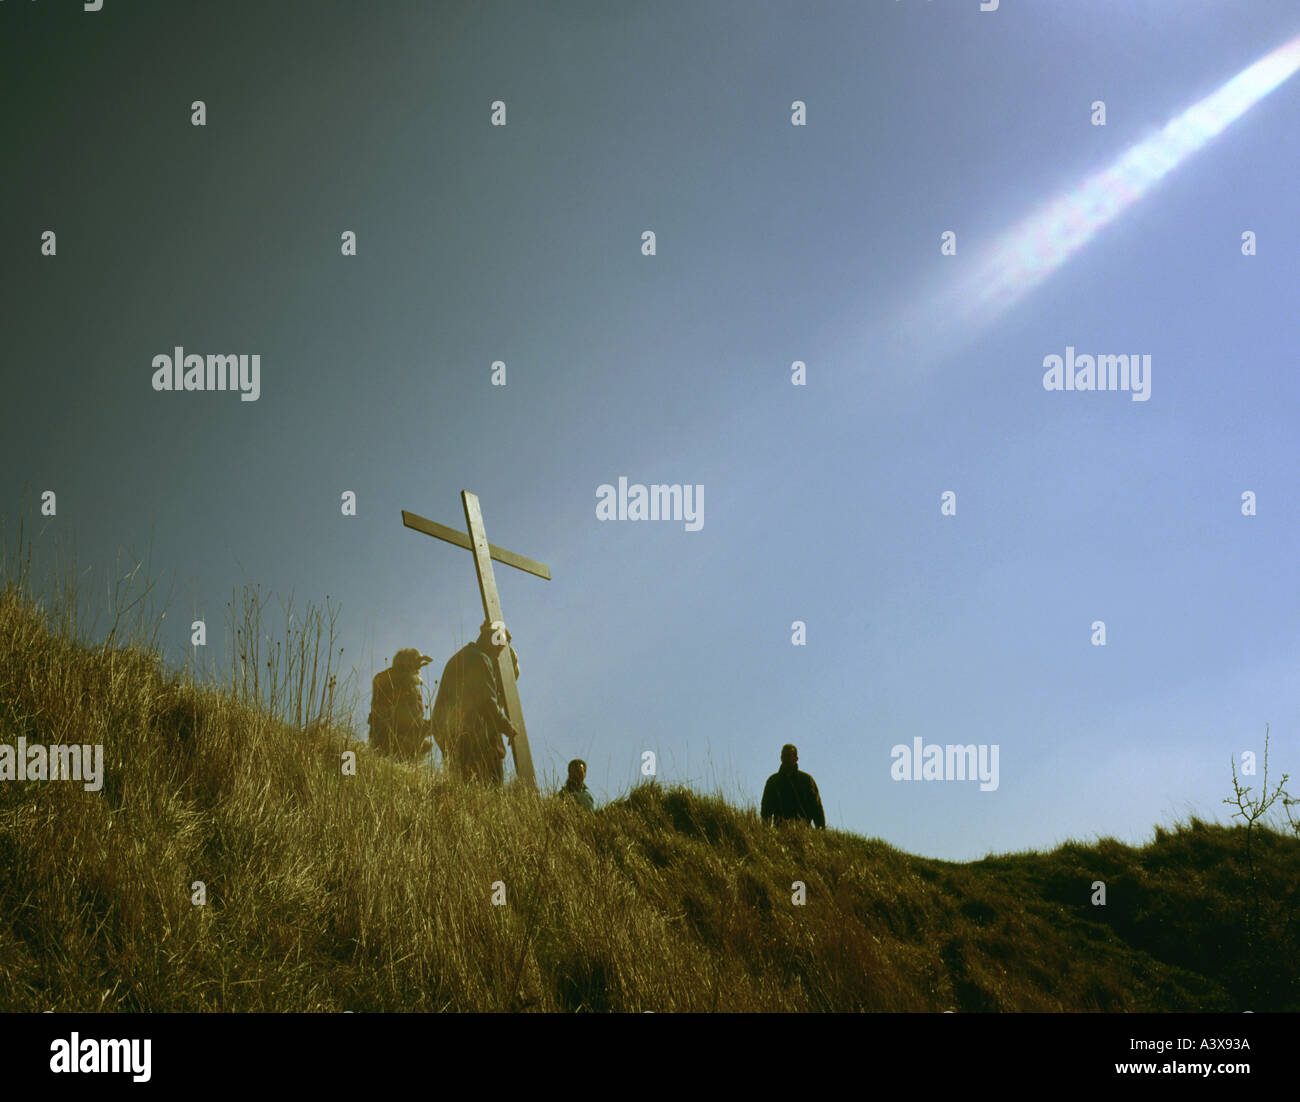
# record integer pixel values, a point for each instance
(397, 723)
(469, 715)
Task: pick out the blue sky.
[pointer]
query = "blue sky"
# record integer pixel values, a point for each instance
(775, 243)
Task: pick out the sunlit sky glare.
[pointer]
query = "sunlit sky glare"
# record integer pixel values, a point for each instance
(1041, 243)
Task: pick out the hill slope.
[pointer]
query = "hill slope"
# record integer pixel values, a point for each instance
(375, 891)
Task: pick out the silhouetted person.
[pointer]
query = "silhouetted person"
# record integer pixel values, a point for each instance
(575, 788)
(469, 715)
(397, 724)
(791, 794)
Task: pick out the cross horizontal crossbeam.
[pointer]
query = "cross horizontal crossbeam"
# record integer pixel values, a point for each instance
(460, 539)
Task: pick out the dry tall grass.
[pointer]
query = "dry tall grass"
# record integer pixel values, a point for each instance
(375, 891)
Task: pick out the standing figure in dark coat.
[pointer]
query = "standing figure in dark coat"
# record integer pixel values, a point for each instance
(790, 794)
(469, 714)
(397, 724)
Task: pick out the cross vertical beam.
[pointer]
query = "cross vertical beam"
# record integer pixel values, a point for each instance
(487, 584)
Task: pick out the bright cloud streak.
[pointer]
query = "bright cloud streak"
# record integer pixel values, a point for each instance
(1043, 241)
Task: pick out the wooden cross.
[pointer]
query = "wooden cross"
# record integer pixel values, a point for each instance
(484, 553)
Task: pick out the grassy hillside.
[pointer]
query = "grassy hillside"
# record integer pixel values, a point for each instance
(374, 891)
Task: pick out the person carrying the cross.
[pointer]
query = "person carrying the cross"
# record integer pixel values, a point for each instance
(397, 724)
(791, 794)
(469, 715)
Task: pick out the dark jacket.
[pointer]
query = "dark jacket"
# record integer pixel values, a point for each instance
(397, 724)
(469, 713)
(791, 794)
